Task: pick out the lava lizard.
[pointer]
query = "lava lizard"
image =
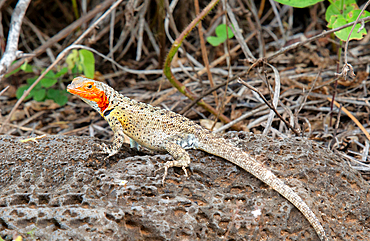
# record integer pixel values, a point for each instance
(164, 130)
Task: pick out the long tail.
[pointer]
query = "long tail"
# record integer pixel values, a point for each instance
(219, 147)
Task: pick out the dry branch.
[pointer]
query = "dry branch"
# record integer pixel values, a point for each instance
(11, 51)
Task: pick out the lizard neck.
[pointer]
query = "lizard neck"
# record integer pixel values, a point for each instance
(103, 102)
(101, 99)
(112, 99)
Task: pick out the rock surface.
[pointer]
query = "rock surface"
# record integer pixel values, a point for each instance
(58, 189)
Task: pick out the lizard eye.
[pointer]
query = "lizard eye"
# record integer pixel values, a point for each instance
(89, 86)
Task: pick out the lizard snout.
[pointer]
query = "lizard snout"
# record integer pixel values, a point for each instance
(71, 86)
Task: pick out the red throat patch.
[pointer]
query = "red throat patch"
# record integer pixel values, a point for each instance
(102, 102)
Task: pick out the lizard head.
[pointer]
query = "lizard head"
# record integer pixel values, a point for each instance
(90, 91)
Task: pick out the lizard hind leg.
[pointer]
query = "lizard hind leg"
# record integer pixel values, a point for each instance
(181, 156)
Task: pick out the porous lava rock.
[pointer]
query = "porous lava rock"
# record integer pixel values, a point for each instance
(60, 188)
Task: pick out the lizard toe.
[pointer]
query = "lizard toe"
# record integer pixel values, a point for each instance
(168, 165)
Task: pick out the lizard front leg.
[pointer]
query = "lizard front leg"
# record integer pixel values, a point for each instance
(118, 137)
(181, 156)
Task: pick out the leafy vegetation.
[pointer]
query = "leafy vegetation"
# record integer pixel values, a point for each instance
(81, 61)
(339, 13)
(44, 89)
(298, 3)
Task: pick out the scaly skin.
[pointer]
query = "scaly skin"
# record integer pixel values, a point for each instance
(164, 130)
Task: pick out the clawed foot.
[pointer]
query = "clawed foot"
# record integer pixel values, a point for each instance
(166, 166)
(106, 150)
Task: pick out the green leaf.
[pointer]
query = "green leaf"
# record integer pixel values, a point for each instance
(38, 95)
(49, 74)
(26, 67)
(221, 31)
(75, 70)
(332, 19)
(30, 81)
(221, 35)
(298, 3)
(14, 71)
(59, 96)
(344, 33)
(88, 62)
(334, 10)
(79, 68)
(20, 91)
(48, 82)
(338, 15)
(72, 58)
(61, 72)
(215, 41)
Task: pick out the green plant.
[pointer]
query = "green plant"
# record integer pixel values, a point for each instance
(81, 61)
(298, 3)
(339, 13)
(25, 67)
(43, 90)
(221, 35)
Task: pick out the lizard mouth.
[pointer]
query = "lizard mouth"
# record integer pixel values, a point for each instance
(71, 88)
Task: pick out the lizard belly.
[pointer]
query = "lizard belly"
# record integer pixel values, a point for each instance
(153, 140)
(157, 140)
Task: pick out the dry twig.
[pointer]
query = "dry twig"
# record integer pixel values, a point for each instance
(272, 108)
(59, 58)
(11, 51)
